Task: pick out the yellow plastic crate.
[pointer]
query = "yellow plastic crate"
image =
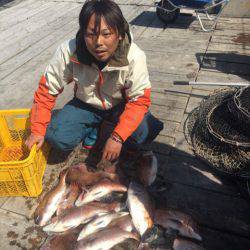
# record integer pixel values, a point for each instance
(21, 170)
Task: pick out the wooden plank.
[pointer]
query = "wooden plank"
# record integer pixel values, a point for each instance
(140, 22)
(167, 114)
(235, 20)
(228, 32)
(169, 128)
(226, 67)
(28, 76)
(188, 170)
(193, 102)
(237, 48)
(217, 76)
(162, 145)
(18, 9)
(212, 76)
(44, 18)
(172, 63)
(155, 27)
(228, 56)
(168, 44)
(232, 26)
(170, 78)
(181, 145)
(236, 38)
(170, 87)
(169, 100)
(17, 46)
(209, 209)
(11, 65)
(185, 34)
(33, 9)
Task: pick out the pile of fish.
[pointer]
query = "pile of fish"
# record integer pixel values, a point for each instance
(100, 209)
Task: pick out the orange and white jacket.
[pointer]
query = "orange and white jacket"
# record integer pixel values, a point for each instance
(102, 89)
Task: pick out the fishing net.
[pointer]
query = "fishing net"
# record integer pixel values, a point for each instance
(228, 158)
(239, 105)
(220, 121)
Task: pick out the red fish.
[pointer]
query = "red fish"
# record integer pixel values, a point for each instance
(47, 207)
(183, 223)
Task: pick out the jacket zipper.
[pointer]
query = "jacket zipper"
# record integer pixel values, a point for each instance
(100, 83)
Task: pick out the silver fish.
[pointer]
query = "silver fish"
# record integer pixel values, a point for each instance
(74, 217)
(98, 191)
(183, 223)
(105, 239)
(140, 207)
(47, 207)
(181, 244)
(99, 223)
(147, 168)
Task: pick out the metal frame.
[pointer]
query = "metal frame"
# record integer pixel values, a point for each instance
(222, 3)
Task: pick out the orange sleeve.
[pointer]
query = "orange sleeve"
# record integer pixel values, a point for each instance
(133, 115)
(41, 109)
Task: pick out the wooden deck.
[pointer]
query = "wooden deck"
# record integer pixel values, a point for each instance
(31, 30)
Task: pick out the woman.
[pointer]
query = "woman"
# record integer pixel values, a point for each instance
(111, 83)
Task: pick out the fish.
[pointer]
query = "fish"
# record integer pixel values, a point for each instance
(114, 206)
(99, 223)
(124, 222)
(182, 223)
(115, 169)
(98, 191)
(63, 241)
(144, 246)
(107, 166)
(81, 175)
(147, 167)
(47, 207)
(68, 199)
(181, 244)
(105, 239)
(74, 217)
(140, 207)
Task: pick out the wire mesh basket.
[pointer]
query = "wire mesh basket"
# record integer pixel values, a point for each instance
(226, 127)
(228, 159)
(239, 106)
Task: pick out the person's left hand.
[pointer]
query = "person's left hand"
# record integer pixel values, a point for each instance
(111, 150)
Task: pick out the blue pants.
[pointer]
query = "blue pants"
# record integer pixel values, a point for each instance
(80, 122)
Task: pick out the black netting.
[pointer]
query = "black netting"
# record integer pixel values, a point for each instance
(225, 157)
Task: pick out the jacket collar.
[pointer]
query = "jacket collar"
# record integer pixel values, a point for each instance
(119, 61)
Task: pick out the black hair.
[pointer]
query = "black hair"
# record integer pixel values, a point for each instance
(113, 16)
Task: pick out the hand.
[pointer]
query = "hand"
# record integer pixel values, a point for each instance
(111, 150)
(34, 139)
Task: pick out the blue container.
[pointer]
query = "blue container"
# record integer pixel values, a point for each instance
(194, 4)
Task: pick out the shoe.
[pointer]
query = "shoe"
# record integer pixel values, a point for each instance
(89, 142)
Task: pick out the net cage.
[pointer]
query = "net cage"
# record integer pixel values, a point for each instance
(217, 137)
(239, 106)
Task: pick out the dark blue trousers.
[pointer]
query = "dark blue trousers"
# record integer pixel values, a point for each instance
(80, 122)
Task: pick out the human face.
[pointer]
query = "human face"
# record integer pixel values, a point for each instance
(103, 45)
